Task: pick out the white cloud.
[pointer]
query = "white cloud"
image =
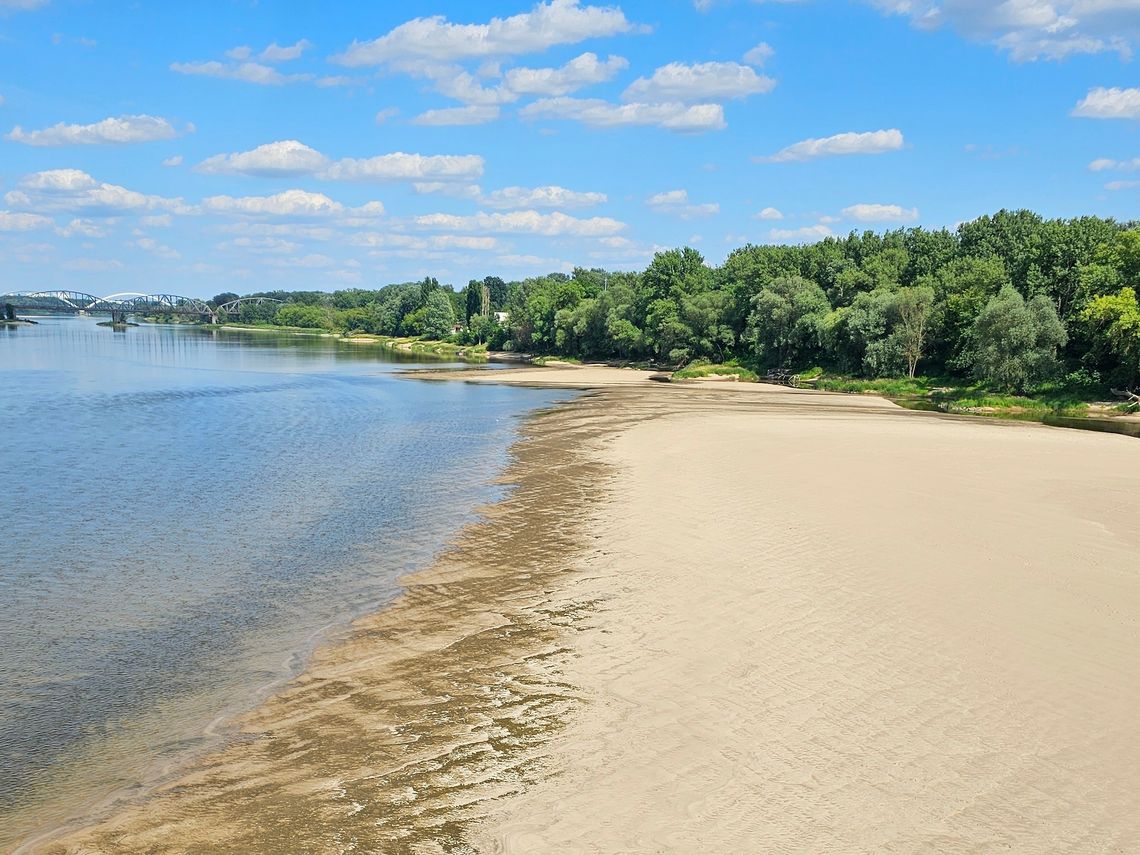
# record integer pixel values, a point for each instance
(277, 53)
(550, 196)
(155, 248)
(582, 70)
(1102, 103)
(1, 100)
(472, 114)
(20, 222)
(770, 214)
(285, 157)
(175, 160)
(291, 157)
(75, 190)
(121, 129)
(527, 222)
(700, 82)
(249, 72)
(21, 5)
(83, 228)
(1121, 185)
(874, 213)
(557, 22)
(598, 113)
(759, 54)
(296, 204)
(676, 203)
(448, 188)
(807, 234)
(872, 142)
(289, 203)
(420, 243)
(1103, 164)
(157, 220)
(1030, 29)
(384, 115)
(401, 166)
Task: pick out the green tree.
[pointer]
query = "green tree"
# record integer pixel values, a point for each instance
(1013, 343)
(786, 319)
(1116, 318)
(914, 308)
(435, 319)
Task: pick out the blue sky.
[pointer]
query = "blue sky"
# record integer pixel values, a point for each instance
(200, 147)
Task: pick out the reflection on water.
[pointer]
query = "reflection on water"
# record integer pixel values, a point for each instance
(184, 511)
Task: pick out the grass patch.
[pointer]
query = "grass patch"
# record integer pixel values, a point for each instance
(547, 360)
(888, 387)
(697, 371)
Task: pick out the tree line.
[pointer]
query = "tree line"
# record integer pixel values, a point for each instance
(1011, 300)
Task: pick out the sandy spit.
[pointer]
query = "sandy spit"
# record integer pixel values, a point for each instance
(722, 618)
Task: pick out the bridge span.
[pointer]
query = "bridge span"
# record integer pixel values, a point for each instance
(122, 305)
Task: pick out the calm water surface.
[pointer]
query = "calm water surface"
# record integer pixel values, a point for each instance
(184, 514)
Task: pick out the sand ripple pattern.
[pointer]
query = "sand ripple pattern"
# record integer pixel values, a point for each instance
(716, 622)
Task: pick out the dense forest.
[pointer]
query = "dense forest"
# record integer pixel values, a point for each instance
(1010, 300)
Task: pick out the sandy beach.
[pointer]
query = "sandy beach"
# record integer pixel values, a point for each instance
(720, 618)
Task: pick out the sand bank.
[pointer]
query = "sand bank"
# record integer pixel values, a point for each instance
(730, 619)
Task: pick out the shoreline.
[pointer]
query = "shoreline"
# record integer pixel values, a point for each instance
(399, 628)
(459, 715)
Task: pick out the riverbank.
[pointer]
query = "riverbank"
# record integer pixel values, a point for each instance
(721, 618)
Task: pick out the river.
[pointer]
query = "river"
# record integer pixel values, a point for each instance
(186, 512)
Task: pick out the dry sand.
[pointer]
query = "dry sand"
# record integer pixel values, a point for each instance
(730, 619)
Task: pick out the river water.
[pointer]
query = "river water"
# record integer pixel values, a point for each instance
(184, 514)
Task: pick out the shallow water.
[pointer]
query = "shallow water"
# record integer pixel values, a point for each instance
(184, 513)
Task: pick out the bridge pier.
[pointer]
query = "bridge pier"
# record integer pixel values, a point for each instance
(118, 316)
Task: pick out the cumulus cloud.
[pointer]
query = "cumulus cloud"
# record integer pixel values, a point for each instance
(1103, 164)
(807, 234)
(116, 130)
(759, 54)
(550, 196)
(582, 70)
(83, 228)
(676, 203)
(277, 53)
(1030, 29)
(155, 248)
(292, 157)
(400, 166)
(1114, 103)
(557, 22)
(174, 160)
(685, 118)
(555, 224)
(285, 157)
(249, 72)
(700, 82)
(471, 114)
(874, 213)
(872, 142)
(65, 190)
(770, 214)
(289, 203)
(21, 222)
(448, 188)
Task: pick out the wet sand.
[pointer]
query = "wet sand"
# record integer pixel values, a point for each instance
(722, 618)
